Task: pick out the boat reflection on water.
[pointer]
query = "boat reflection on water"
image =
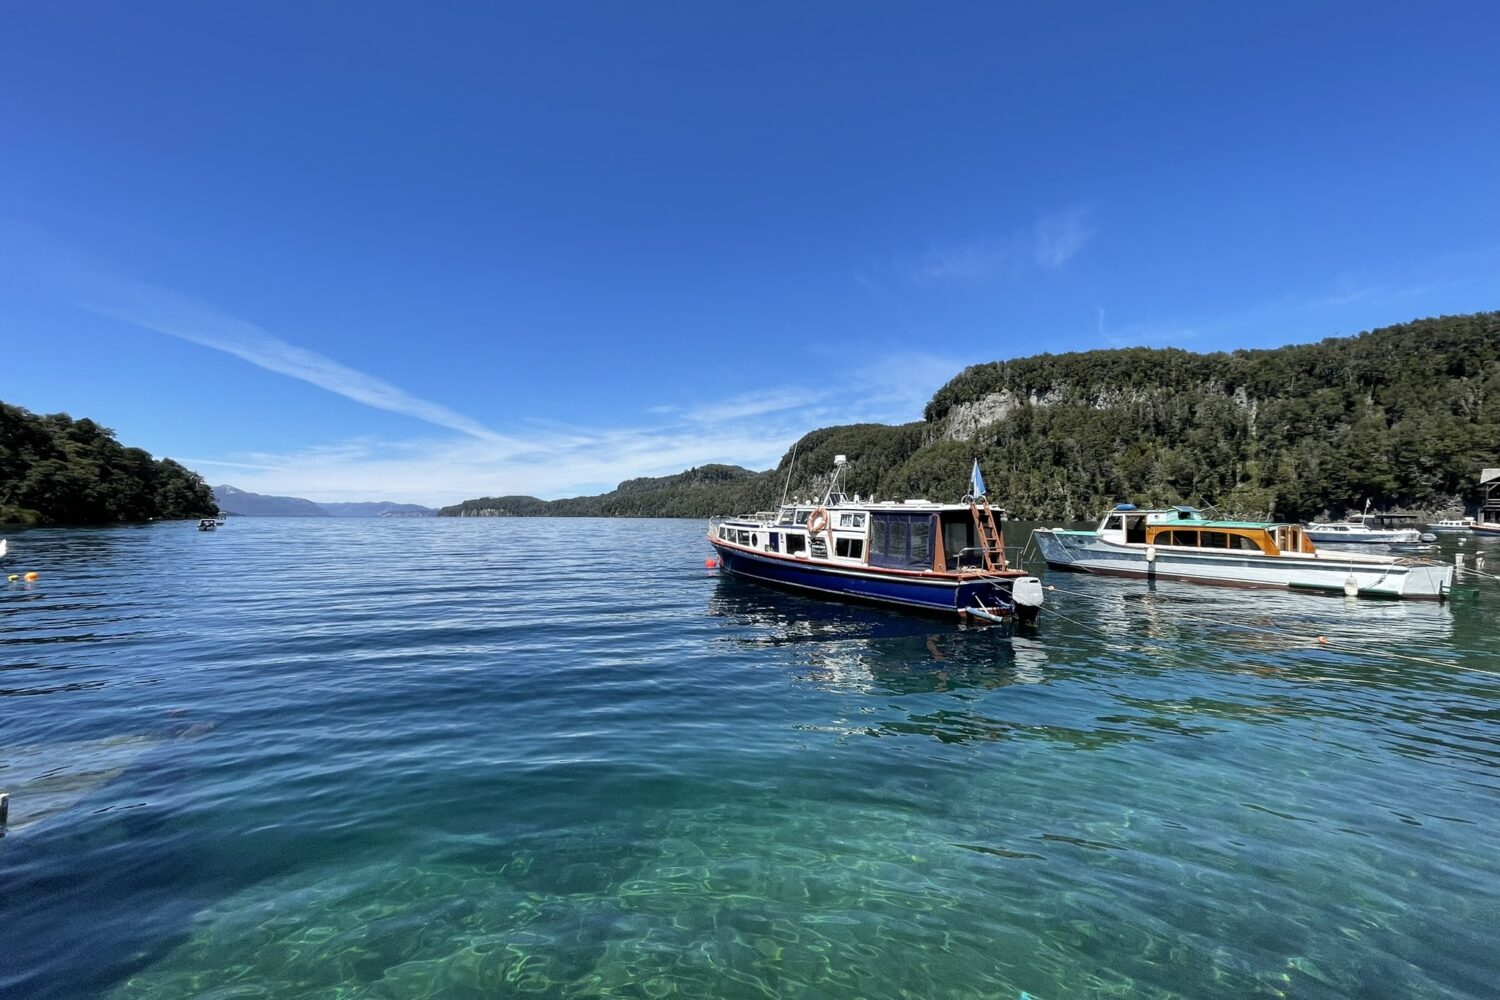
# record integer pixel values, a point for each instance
(854, 648)
(1257, 631)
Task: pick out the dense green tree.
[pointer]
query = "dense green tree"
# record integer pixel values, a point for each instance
(1402, 416)
(57, 470)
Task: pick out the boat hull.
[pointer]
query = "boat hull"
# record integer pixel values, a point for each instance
(1371, 576)
(913, 592)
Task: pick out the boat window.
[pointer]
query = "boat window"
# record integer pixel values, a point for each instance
(743, 537)
(1214, 540)
(795, 544)
(755, 540)
(850, 548)
(1135, 529)
(902, 540)
(851, 520)
(723, 533)
(1246, 544)
(959, 546)
(921, 545)
(1183, 537)
(1116, 522)
(802, 516)
(771, 540)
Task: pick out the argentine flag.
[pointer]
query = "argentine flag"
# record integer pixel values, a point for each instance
(977, 480)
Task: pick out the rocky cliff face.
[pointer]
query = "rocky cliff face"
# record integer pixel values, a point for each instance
(963, 420)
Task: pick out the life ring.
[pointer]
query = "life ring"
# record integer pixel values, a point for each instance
(817, 521)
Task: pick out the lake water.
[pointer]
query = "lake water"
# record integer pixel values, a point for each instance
(482, 758)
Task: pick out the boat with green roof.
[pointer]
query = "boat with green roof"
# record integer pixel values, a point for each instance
(1180, 543)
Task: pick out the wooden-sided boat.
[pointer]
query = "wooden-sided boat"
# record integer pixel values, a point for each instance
(919, 555)
(1181, 544)
(1464, 524)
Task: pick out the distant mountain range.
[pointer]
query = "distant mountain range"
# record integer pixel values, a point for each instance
(245, 504)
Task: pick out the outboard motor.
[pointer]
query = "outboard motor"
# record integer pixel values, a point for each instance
(1026, 592)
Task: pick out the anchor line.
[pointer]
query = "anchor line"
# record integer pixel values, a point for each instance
(1477, 572)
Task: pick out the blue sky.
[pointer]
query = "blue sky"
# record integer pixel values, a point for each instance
(433, 251)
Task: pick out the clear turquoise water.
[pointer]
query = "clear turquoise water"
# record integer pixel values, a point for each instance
(481, 758)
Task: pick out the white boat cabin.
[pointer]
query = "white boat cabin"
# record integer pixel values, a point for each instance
(1187, 528)
(911, 535)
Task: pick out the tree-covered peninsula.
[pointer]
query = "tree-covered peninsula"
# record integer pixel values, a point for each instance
(1404, 416)
(57, 470)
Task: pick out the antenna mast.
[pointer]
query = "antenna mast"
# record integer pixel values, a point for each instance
(790, 466)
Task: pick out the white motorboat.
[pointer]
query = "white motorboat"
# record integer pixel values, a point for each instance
(1365, 529)
(1452, 524)
(1181, 544)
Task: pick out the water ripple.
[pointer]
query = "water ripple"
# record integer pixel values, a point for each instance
(468, 758)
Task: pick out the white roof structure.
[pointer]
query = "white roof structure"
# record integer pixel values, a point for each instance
(1489, 476)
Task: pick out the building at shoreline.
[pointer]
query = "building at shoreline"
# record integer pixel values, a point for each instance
(1489, 497)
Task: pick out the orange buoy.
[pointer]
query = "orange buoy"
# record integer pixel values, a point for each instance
(1323, 639)
(709, 564)
(32, 577)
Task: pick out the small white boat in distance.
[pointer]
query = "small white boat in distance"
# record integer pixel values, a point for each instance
(1365, 529)
(1452, 524)
(1181, 544)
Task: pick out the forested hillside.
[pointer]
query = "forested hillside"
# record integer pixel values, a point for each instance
(57, 470)
(1404, 416)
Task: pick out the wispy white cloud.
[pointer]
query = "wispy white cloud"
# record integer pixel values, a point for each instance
(971, 261)
(179, 316)
(1050, 242)
(1059, 236)
(64, 272)
(753, 404)
(1142, 334)
(538, 457)
(550, 460)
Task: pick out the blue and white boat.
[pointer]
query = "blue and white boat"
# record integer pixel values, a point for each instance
(947, 559)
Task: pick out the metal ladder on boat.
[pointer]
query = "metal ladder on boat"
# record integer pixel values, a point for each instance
(991, 539)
